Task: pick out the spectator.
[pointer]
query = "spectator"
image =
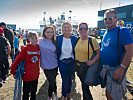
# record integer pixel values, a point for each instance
(9, 36)
(16, 42)
(24, 37)
(4, 52)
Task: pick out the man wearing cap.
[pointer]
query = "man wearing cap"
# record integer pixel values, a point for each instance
(4, 52)
(9, 36)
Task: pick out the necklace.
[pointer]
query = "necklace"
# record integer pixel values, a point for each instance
(83, 40)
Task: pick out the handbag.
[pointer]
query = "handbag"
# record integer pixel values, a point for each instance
(81, 68)
(92, 70)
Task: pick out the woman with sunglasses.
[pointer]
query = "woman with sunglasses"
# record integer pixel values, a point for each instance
(65, 55)
(48, 60)
(81, 56)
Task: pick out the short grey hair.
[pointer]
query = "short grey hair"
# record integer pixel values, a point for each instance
(110, 10)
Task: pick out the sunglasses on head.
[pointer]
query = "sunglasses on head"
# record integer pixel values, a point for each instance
(83, 28)
(110, 18)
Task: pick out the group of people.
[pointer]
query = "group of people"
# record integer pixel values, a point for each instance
(68, 52)
(20, 39)
(9, 46)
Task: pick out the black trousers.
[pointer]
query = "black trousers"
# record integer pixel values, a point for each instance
(81, 73)
(16, 50)
(51, 77)
(30, 88)
(4, 67)
(12, 53)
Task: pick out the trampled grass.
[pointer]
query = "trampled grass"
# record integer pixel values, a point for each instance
(130, 72)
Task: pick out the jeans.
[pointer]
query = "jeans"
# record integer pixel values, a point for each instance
(51, 76)
(30, 87)
(66, 71)
(81, 73)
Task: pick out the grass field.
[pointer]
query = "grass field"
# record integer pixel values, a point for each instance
(7, 90)
(130, 72)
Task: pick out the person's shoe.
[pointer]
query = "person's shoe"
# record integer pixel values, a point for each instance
(69, 97)
(49, 98)
(54, 96)
(4, 81)
(64, 98)
(1, 83)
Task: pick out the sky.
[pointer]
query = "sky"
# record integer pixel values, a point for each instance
(28, 13)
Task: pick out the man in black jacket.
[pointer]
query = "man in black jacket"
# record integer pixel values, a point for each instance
(9, 36)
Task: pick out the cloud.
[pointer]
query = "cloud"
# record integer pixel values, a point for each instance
(31, 11)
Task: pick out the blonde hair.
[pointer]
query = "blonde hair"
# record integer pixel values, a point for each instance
(68, 24)
(64, 23)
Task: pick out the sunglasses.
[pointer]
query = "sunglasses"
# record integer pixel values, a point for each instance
(110, 18)
(83, 28)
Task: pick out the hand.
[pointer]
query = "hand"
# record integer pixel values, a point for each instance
(89, 62)
(118, 73)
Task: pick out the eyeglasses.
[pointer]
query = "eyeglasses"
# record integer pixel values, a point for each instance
(83, 28)
(110, 18)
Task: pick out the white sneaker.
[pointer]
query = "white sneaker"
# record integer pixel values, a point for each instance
(54, 96)
(4, 81)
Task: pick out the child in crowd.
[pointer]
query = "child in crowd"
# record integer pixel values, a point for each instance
(5, 50)
(16, 42)
(31, 55)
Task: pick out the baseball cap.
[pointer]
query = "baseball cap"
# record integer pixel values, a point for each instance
(1, 31)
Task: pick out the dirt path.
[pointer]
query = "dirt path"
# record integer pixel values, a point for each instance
(6, 92)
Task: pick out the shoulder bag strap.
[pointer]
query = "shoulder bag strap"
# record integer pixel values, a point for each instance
(90, 42)
(118, 44)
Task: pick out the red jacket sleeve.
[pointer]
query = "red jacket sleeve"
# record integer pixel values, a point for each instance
(19, 58)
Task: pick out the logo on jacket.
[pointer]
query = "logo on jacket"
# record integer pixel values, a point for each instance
(34, 59)
(32, 53)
